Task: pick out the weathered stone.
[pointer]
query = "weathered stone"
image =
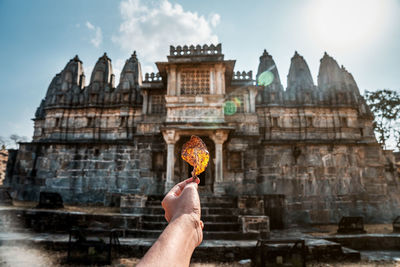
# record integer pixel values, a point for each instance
(251, 205)
(128, 202)
(254, 224)
(50, 200)
(310, 148)
(396, 225)
(351, 225)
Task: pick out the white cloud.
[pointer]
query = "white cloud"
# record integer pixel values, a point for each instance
(98, 35)
(215, 18)
(151, 29)
(89, 25)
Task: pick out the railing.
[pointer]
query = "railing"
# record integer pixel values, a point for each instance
(242, 75)
(152, 77)
(195, 50)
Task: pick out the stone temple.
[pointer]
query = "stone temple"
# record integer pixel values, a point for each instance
(307, 153)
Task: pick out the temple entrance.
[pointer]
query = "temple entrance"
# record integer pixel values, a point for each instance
(183, 170)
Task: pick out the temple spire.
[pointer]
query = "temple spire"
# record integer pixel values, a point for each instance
(299, 77)
(102, 72)
(330, 74)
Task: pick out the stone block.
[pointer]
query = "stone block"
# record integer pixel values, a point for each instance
(5, 197)
(50, 200)
(351, 225)
(396, 225)
(320, 216)
(254, 224)
(130, 201)
(251, 205)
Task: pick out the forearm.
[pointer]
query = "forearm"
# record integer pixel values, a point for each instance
(175, 245)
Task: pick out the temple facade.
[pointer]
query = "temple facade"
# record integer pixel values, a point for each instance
(311, 146)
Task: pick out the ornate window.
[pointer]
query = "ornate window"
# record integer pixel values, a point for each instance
(158, 104)
(195, 82)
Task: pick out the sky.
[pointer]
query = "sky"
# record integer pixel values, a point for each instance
(39, 37)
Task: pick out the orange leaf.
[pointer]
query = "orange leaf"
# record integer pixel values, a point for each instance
(196, 154)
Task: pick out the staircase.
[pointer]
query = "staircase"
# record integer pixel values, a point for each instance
(219, 214)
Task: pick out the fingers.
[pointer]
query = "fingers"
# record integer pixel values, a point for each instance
(177, 189)
(194, 184)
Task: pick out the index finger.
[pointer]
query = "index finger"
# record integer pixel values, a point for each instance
(177, 189)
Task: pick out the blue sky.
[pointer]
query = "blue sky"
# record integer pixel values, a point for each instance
(39, 37)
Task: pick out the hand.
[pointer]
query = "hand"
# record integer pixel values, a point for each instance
(175, 245)
(183, 201)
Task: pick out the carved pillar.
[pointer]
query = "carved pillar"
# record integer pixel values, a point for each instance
(145, 101)
(171, 86)
(252, 95)
(212, 81)
(219, 137)
(220, 79)
(170, 137)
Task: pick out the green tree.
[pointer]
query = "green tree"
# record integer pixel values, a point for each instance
(385, 104)
(4, 142)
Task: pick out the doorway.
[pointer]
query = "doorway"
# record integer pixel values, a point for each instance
(183, 170)
(274, 208)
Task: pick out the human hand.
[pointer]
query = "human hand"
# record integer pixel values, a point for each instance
(183, 201)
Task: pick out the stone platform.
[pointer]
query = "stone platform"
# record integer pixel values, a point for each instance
(209, 250)
(224, 239)
(221, 216)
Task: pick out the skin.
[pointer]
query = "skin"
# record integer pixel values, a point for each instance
(184, 232)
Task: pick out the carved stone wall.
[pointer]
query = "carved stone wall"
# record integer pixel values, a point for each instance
(87, 172)
(309, 147)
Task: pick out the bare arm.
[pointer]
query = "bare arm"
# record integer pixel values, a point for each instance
(183, 234)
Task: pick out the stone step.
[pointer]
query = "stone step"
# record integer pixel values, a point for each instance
(204, 218)
(206, 204)
(203, 199)
(324, 249)
(219, 218)
(222, 250)
(351, 254)
(214, 199)
(222, 227)
(204, 211)
(154, 225)
(155, 198)
(207, 235)
(217, 227)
